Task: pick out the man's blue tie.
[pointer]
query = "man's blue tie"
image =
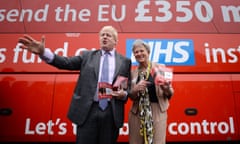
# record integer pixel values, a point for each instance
(103, 103)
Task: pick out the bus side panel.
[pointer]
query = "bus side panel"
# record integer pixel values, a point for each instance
(236, 82)
(26, 103)
(202, 108)
(64, 87)
(237, 108)
(236, 87)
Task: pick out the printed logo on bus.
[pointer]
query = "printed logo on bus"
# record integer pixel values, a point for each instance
(166, 51)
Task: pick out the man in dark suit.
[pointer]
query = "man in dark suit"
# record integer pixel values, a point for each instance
(95, 125)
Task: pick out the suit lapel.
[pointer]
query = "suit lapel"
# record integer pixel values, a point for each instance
(97, 63)
(118, 64)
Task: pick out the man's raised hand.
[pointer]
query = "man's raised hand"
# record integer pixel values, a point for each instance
(32, 45)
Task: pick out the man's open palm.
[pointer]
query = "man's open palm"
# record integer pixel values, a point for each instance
(32, 45)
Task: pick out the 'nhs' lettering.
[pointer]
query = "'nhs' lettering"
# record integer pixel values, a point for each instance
(166, 51)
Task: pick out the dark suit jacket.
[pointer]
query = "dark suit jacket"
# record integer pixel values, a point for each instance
(86, 87)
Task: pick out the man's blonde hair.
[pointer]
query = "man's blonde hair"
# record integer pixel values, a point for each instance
(114, 31)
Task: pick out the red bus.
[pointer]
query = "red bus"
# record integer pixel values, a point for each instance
(199, 39)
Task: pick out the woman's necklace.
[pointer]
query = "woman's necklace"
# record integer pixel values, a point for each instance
(145, 111)
(147, 72)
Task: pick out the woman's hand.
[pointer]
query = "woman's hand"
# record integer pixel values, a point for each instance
(167, 89)
(166, 85)
(141, 86)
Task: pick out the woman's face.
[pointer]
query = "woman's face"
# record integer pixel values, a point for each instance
(141, 54)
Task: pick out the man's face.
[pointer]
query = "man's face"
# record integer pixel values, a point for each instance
(107, 39)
